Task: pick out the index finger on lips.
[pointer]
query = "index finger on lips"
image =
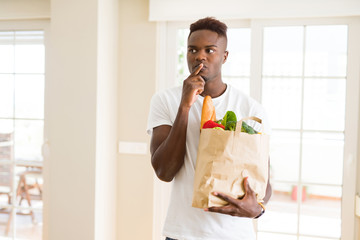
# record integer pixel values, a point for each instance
(197, 70)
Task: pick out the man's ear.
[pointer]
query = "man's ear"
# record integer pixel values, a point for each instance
(226, 53)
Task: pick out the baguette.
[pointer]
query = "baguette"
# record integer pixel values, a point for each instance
(208, 111)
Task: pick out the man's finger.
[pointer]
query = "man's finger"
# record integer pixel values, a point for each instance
(230, 210)
(197, 70)
(199, 91)
(246, 184)
(226, 198)
(247, 187)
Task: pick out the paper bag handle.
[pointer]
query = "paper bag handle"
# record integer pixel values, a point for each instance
(239, 123)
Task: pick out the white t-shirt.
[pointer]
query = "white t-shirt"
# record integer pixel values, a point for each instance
(184, 222)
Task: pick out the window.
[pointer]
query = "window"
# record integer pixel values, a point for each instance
(22, 80)
(304, 72)
(304, 87)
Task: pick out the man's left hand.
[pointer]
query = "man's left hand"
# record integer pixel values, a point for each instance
(247, 206)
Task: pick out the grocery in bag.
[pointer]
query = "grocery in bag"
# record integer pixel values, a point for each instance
(229, 151)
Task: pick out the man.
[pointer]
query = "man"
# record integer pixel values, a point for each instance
(174, 123)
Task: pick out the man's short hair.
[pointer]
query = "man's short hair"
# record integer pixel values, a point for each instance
(209, 23)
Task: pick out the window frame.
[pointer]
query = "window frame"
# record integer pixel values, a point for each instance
(166, 77)
(351, 109)
(33, 25)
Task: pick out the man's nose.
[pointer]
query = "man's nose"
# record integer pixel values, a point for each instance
(200, 56)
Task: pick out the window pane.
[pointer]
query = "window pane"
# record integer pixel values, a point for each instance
(180, 79)
(285, 156)
(6, 180)
(315, 238)
(6, 148)
(6, 95)
(238, 62)
(324, 104)
(181, 46)
(326, 51)
(281, 211)
(274, 236)
(323, 158)
(6, 226)
(281, 98)
(243, 84)
(31, 177)
(28, 228)
(28, 139)
(321, 212)
(6, 57)
(29, 58)
(6, 126)
(29, 37)
(29, 96)
(283, 51)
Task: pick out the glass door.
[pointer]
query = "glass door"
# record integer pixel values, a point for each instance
(22, 81)
(304, 90)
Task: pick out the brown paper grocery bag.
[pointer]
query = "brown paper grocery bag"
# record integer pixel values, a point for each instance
(224, 159)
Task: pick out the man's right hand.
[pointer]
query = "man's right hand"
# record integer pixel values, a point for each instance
(168, 142)
(192, 87)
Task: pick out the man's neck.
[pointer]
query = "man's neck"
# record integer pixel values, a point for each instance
(214, 89)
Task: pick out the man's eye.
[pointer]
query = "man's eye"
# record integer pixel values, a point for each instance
(210, 50)
(192, 50)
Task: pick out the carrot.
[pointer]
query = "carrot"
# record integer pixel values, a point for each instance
(208, 111)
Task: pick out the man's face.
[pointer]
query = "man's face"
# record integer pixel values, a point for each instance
(207, 47)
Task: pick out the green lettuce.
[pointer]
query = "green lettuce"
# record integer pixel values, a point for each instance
(229, 121)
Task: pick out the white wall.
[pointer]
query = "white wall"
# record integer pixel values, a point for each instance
(24, 9)
(81, 119)
(164, 10)
(136, 86)
(70, 115)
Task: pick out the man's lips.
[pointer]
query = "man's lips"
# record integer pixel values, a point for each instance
(204, 67)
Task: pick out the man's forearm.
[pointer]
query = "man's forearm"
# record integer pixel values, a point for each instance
(169, 146)
(168, 158)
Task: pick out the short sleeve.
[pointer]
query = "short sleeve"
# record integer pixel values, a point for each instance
(158, 114)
